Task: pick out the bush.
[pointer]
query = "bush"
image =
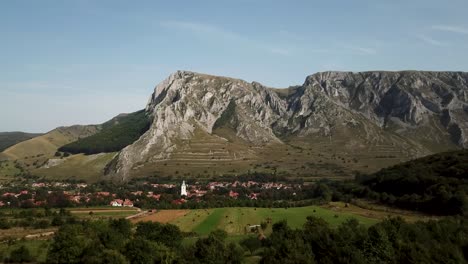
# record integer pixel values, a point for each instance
(20, 255)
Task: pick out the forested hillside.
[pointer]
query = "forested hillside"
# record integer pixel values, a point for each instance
(114, 135)
(435, 184)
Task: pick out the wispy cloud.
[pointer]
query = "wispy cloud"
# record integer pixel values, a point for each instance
(451, 29)
(212, 30)
(362, 50)
(431, 41)
(36, 86)
(200, 28)
(280, 51)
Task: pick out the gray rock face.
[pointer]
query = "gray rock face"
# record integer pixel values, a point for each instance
(401, 102)
(407, 98)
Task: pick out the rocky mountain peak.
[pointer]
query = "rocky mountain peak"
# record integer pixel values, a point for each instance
(326, 104)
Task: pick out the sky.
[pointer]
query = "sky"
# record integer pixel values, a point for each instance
(84, 61)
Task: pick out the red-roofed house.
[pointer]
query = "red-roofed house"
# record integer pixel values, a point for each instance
(116, 202)
(233, 194)
(179, 201)
(128, 203)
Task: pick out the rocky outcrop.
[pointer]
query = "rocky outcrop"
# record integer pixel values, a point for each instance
(325, 103)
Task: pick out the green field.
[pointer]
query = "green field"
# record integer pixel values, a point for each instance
(103, 212)
(38, 248)
(234, 220)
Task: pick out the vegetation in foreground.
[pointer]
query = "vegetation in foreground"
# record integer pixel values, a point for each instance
(391, 241)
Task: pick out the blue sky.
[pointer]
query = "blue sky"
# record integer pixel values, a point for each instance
(82, 62)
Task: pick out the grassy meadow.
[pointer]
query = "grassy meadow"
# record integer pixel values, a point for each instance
(234, 220)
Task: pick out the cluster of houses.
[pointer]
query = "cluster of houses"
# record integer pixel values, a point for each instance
(193, 191)
(248, 184)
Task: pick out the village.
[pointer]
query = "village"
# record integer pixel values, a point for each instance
(63, 194)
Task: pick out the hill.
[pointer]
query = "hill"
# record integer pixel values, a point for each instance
(114, 135)
(8, 139)
(35, 152)
(435, 184)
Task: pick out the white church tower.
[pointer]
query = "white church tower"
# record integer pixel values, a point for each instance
(183, 189)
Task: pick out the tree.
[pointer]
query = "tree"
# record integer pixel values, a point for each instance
(110, 256)
(167, 234)
(20, 255)
(251, 244)
(213, 249)
(141, 251)
(68, 245)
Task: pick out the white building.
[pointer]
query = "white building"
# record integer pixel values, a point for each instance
(183, 189)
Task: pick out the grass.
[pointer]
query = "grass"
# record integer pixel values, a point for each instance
(80, 166)
(102, 212)
(8, 170)
(8, 139)
(234, 220)
(34, 152)
(38, 248)
(211, 222)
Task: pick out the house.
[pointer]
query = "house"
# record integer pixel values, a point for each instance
(233, 194)
(155, 196)
(40, 203)
(38, 185)
(127, 203)
(253, 196)
(179, 201)
(117, 203)
(75, 198)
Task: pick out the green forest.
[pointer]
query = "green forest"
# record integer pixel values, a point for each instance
(436, 184)
(115, 135)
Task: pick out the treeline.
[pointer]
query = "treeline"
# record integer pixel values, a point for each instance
(117, 241)
(436, 184)
(35, 219)
(114, 135)
(391, 241)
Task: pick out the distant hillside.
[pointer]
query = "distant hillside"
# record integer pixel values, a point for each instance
(34, 152)
(436, 184)
(8, 139)
(115, 134)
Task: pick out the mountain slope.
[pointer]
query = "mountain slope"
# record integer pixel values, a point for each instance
(435, 184)
(114, 135)
(35, 152)
(8, 139)
(334, 123)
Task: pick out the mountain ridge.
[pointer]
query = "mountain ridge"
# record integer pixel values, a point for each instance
(382, 104)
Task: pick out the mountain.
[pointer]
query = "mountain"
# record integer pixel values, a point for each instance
(333, 124)
(8, 139)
